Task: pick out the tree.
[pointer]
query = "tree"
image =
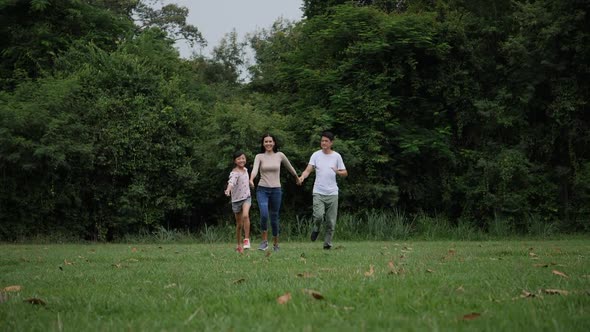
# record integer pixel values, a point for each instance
(34, 33)
(170, 18)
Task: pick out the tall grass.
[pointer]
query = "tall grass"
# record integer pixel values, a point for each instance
(370, 225)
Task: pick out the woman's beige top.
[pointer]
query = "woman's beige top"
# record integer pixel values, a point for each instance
(269, 165)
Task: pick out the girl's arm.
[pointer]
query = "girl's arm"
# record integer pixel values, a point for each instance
(228, 189)
(231, 183)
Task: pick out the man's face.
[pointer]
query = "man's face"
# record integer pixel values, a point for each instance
(325, 143)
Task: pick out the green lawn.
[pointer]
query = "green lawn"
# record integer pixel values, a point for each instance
(357, 286)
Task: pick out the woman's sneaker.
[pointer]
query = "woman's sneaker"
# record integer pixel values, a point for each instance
(263, 246)
(275, 248)
(246, 243)
(239, 250)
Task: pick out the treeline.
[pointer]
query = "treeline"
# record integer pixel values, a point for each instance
(472, 111)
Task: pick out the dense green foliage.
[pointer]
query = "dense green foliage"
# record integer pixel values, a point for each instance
(470, 110)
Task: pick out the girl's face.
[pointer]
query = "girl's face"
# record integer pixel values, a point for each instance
(240, 161)
(268, 143)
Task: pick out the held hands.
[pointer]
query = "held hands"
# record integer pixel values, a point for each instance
(300, 180)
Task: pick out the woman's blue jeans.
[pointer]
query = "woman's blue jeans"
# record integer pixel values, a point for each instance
(269, 203)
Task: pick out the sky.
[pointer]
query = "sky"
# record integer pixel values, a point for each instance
(215, 18)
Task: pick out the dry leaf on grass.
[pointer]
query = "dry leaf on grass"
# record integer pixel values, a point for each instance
(315, 294)
(524, 295)
(450, 254)
(170, 286)
(555, 292)
(392, 269)
(284, 298)
(559, 273)
(305, 275)
(239, 281)
(429, 270)
(133, 249)
(370, 272)
(13, 288)
(471, 316)
(541, 265)
(343, 308)
(34, 300)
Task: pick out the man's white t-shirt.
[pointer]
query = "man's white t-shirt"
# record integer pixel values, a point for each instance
(325, 176)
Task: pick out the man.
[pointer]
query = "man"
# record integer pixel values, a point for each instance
(327, 163)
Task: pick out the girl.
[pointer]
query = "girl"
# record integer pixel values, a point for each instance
(237, 187)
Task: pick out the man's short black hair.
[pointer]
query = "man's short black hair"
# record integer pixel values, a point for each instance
(327, 134)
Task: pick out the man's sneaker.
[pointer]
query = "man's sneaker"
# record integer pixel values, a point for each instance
(275, 248)
(314, 235)
(263, 246)
(239, 250)
(246, 243)
(327, 246)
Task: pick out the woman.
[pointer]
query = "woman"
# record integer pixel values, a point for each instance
(269, 193)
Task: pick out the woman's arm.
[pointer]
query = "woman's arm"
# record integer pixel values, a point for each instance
(287, 163)
(254, 170)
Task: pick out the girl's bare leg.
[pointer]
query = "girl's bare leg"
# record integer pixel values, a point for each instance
(239, 228)
(246, 220)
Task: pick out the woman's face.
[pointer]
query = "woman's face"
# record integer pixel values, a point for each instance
(268, 143)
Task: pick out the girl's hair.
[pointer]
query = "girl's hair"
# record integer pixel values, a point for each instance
(237, 154)
(274, 149)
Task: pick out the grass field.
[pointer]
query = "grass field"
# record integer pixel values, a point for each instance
(523, 285)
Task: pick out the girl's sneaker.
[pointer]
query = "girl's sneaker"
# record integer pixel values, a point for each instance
(246, 243)
(239, 250)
